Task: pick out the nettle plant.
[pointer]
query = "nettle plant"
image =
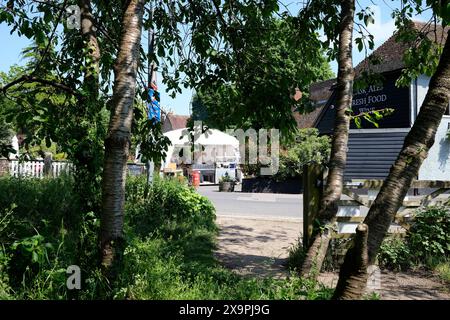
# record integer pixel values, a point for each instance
(429, 235)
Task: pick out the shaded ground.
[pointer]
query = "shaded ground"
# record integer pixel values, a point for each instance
(256, 247)
(417, 285)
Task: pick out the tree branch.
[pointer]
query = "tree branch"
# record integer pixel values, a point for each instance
(219, 14)
(29, 79)
(384, 111)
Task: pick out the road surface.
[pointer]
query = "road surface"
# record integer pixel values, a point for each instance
(256, 205)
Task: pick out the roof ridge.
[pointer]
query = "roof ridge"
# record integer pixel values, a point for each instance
(393, 49)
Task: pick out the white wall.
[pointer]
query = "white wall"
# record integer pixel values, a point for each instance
(437, 164)
(422, 89)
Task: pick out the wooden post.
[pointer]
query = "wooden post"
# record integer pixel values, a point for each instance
(4, 167)
(48, 164)
(312, 193)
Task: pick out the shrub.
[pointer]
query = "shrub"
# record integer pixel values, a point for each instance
(39, 204)
(429, 235)
(42, 233)
(394, 254)
(5, 289)
(170, 205)
(308, 148)
(170, 232)
(427, 241)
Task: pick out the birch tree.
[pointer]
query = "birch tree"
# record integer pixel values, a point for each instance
(420, 139)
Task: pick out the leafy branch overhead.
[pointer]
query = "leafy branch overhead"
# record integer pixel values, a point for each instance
(372, 116)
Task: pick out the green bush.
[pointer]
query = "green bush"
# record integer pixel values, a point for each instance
(394, 254)
(427, 242)
(170, 232)
(429, 235)
(42, 233)
(169, 206)
(5, 289)
(226, 178)
(308, 148)
(39, 204)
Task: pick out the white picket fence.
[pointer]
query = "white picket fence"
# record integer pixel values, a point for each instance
(36, 168)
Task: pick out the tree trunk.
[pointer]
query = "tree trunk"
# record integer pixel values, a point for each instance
(89, 34)
(117, 142)
(406, 168)
(352, 283)
(333, 190)
(87, 154)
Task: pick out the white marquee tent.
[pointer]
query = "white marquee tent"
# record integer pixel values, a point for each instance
(216, 146)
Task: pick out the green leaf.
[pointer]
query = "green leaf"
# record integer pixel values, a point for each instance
(161, 51)
(48, 16)
(39, 119)
(360, 44)
(35, 257)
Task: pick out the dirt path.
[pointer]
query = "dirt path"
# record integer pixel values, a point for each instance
(259, 248)
(256, 247)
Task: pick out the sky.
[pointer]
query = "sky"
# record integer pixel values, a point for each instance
(11, 46)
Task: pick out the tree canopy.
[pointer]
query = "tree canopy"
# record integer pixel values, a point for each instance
(259, 90)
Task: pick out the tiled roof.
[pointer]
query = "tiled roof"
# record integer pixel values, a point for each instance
(391, 52)
(320, 92)
(176, 121)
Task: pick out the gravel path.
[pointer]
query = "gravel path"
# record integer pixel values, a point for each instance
(258, 248)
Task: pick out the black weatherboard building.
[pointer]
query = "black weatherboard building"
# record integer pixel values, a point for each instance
(372, 150)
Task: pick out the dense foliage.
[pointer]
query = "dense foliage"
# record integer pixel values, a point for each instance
(169, 204)
(42, 231)
(5, 139)
(169, 254)
(427, 242)
(309, 148)
(430, 233)
(261, 82)
(395, 254)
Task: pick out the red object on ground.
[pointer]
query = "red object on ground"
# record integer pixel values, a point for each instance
(195, 178)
